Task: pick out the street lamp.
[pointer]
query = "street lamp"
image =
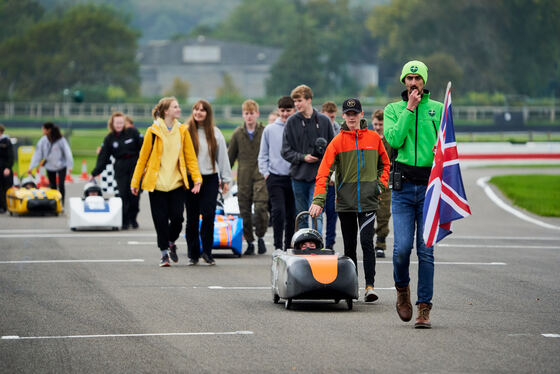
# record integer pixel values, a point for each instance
(66, 93)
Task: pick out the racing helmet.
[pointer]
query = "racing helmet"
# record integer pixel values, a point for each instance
(307, 235)
(28, 182)
(92, 187)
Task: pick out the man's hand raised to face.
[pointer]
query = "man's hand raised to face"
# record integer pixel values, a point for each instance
(413, 100)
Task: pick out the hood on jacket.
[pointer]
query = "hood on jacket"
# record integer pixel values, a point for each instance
(157, 126)
(301, 116)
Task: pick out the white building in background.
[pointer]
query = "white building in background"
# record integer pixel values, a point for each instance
(203, 62)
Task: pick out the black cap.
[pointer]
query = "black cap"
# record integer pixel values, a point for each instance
(351, 105)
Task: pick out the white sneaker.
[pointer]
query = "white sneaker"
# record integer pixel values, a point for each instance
(370, 296)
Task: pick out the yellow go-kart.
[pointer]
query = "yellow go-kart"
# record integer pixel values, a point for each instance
(28, 199)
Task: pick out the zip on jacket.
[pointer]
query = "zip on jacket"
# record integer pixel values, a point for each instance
(413, 134)
(362, 170)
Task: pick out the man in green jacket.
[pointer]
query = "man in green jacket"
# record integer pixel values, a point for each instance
(411, 128)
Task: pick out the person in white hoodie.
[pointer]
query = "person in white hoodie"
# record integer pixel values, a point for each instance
(57, 155)
(211, 151)
(276, 172)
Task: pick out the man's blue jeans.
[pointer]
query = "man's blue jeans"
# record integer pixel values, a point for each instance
(407, 205)
(303, 195)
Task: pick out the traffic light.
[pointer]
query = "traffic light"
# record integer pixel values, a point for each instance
(77, 96)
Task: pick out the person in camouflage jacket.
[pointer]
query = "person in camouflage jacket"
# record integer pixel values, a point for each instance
(244, 148)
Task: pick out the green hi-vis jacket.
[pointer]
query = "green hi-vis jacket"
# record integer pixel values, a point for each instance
(362, 170)
(413, 134)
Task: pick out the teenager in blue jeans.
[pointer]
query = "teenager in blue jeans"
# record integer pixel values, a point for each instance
(299, 146)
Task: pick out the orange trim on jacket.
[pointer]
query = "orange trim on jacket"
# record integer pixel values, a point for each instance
(362, 170)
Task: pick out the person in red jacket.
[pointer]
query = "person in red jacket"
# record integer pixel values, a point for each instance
(361, 164)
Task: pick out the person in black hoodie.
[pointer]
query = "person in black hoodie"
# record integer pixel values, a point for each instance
(124, 145)
(6, 163)
(306, 136)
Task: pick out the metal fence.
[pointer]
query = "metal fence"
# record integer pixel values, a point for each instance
(101, 111)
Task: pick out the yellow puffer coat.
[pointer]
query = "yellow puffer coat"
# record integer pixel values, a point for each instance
(149, 161)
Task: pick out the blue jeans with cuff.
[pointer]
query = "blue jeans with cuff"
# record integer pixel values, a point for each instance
(407, 206)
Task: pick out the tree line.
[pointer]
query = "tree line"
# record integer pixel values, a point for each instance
(507, 47)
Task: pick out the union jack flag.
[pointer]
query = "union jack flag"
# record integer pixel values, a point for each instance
(445, 199)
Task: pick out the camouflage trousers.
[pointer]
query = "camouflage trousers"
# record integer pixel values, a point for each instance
(383, 216)
(247, 195)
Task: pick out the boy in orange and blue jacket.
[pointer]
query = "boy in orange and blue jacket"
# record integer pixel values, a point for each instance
(361, 164)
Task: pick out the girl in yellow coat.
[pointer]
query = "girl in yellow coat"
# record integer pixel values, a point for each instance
(166, 155)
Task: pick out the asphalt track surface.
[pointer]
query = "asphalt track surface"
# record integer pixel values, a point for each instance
(83, 302)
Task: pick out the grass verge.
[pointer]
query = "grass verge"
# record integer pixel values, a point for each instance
(537, 193)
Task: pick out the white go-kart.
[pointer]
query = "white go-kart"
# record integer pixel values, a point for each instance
(94, 212)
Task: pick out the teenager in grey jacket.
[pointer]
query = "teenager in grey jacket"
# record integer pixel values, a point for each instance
(276, 172)
(54, 149)
(299, 147)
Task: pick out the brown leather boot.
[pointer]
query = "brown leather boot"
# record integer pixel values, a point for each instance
(423, 319)
(404, 306)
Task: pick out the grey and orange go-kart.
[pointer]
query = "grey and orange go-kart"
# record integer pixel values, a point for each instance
(312, 273)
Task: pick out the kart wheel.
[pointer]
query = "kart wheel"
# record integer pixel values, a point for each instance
(349, 302)
(336, 301)
(73, 228)
(275, 298)
(288, 303)
(115, 228)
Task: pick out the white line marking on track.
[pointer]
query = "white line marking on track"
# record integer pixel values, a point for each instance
(104, 234)
(499, 246)
(32, 231)
(451, 263)
(548, 238)
(133, 242)
(220, 287)
(482, 182)
(237, 288)
(247, 287)
(551, 335)
(16, 337)
(69, 261)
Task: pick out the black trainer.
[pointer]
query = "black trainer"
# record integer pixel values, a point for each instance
(208, 259)
(379, 252)
(164, 262)
(262, 246)
(173, 252)
(134, 225)
(250, 250)
(193, 261)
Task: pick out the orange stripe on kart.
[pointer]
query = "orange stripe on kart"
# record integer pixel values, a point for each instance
(222, 230)
(323, 267)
